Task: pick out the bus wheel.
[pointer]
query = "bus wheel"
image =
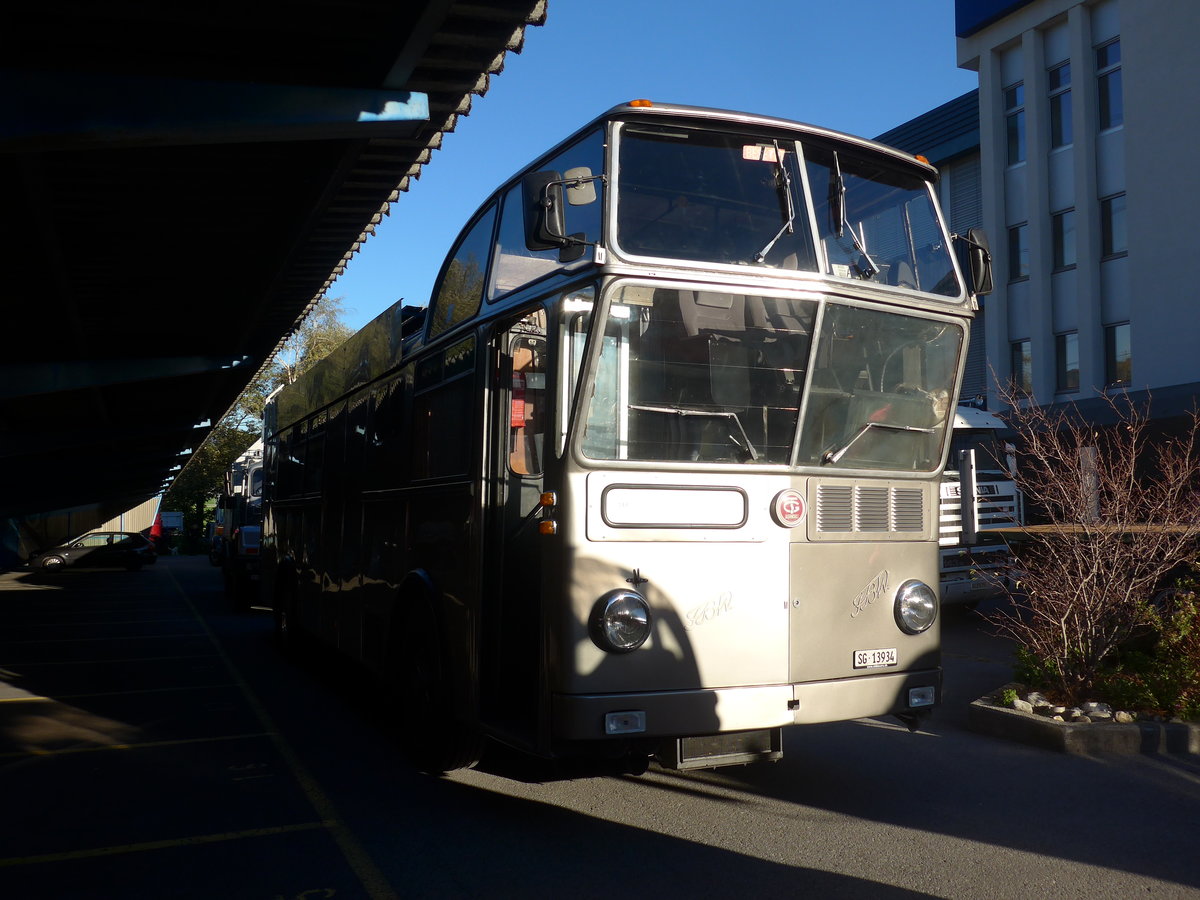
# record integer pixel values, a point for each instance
(433, 738)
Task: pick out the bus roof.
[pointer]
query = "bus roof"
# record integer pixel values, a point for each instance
(653, 109)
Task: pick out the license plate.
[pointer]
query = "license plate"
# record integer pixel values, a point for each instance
(874, 659)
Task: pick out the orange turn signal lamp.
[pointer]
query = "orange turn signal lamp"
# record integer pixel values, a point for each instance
(548, 500)
(641, 104)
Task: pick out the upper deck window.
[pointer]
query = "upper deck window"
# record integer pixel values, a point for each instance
(878, 223)
(712, 197)
(459, 291)
(515, 265)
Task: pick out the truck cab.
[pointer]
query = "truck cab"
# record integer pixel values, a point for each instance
(978, 496)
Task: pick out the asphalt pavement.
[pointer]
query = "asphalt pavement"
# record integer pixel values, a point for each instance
(154, 744)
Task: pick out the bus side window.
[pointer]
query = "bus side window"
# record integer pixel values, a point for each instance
(527, 408)
(459, 291)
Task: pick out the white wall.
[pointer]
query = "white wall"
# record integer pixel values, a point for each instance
(1151, 157)
(1161, 71)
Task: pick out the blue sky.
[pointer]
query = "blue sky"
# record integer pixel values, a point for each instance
(860, 66)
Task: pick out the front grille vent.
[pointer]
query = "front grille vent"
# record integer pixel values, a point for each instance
(869, 509)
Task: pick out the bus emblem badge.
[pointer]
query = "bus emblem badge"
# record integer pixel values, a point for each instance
(788, 508)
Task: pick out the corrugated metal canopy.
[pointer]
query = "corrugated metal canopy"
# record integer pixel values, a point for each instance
(181, 183)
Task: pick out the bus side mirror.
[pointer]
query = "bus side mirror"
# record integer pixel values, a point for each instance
(581, 186)
(979, 261)
(545, 223)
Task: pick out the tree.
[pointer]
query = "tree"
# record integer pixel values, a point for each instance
(202, 478)
(1122, 515)
(321, 332)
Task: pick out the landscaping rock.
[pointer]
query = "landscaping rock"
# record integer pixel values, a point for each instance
(1123, 718)
(1022, 706)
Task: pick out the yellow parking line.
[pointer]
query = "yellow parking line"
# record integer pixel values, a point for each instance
(147, 745)
(103, 640)
(92, 662)
(71, 855)
(368, 874)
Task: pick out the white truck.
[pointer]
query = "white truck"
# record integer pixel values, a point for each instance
(978, 496)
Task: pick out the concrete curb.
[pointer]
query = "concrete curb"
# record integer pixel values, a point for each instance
(1181, 738)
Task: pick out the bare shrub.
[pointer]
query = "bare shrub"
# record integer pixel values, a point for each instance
(1121, 514)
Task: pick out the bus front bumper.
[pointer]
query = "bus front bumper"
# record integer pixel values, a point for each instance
(720, 710)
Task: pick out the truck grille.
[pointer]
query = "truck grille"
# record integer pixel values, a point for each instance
(997, 503)
(869, 509)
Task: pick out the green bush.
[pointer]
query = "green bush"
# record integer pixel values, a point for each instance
(1040, 674)
(1161, 675)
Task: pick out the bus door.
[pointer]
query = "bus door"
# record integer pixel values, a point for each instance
(512, 601)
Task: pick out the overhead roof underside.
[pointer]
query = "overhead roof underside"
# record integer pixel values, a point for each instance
(181, 182)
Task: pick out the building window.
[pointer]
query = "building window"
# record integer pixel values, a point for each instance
(1112, 226)
(1014, 115)
(1059, 79)
(1018, 252)
(1021, 377)
(1066, 360)
(1063, 227)
(1108, 83)
(1118, 356)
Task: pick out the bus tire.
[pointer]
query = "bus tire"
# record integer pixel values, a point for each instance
(434, 739)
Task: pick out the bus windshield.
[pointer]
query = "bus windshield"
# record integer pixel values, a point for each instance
(735, 199)
(712, 197)
(720, 377)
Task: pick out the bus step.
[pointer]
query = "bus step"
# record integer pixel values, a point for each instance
(712, 750)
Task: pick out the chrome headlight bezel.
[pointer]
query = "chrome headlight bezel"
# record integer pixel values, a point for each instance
(620, 621)
(916, 607)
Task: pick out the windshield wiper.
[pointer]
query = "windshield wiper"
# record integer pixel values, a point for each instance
(866, 268)
(746, 447)
(833, 455)
(783, 180)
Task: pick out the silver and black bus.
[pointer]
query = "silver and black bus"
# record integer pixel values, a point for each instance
(655, 473)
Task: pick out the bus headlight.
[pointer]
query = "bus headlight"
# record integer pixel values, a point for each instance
(916, 606)
(620, 621)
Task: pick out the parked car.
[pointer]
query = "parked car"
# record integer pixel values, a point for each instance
(127, 549)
